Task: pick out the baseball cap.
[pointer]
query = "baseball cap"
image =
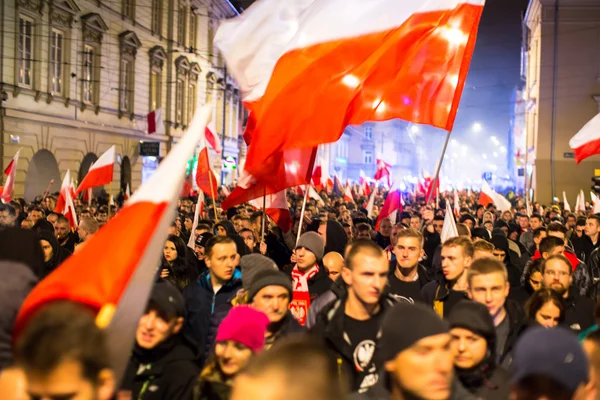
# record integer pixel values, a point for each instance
(168, 299)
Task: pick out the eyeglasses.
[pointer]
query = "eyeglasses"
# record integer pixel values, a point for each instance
(552, 273)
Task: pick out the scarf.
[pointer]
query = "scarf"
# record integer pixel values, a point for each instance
(301, 295)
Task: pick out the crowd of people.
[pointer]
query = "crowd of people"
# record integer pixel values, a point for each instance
(243, 310)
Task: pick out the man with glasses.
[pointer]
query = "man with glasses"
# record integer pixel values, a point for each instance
(558, 275)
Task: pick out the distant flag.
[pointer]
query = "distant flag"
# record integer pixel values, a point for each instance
(456, 203)
(210, 133)
(488, 195)
(101, 173)
(391, 207)
(566, 205)
(312, 193)
(197, 212)
(348, 195)
(155, 122)
(10, 172)
(449, 228)
(383, 170)
(586, 142)
(371, 203)
(580, 206)
(64, 203)
(276, 207)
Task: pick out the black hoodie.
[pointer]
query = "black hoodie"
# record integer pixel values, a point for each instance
(169, 371)
(60, 254)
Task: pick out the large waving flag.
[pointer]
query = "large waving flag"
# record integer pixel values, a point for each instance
(10, 172)
(383, 170)
(276, 207)
(586, 142)
(121, 259)
(64, 203)
(205, 176)
(101, 173)
(449, 228)
(488, 195)
(391, 207)
(306, 71)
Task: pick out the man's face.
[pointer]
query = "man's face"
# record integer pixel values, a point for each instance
(67, 381)
(248, 239)
(524, 222)
(367, 278)
(488, 217)
(364, 234)
(557, 276)
(305, 258)
(438, 225)
(454, 262)
(538, 239)
(188, 224)
(223, 260)
(535, 222)
(499, 254)
(35, 216)
(237, 224)
(425, 369)
(102, 217)
(6, 219)
(395, 232)
(408, 251)
(469, 348)
(199, 250)
(242, 212)
(273, 301)
(468, 222)
(415, 223)
(385, 228)
(579, 230)
(61, 230)
(490, 290)
(571, 221)
(47, 249)
(52, 218)
(591, 227)
(348, 230)
(82, 233)
(154, 328)
(535, 280)
(488, 225)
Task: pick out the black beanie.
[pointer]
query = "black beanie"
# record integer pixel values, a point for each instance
(474, 317)
(405, 324)
(269, 277)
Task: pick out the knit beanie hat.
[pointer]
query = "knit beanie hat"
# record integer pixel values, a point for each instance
(313, 242)
(268, 277)
(244, 325)
(474, 317)
(253, 263)
(405, 324)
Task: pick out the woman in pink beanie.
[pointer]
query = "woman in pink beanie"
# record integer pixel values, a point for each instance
(240, 335)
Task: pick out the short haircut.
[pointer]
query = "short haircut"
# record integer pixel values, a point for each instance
(300, 359)
(62, 331)
(244, 219)
(571, 215)
(204, 227)
(549, 243)
(10, 209)
(541, 297)
(37, 209)
(483, 245)
(363, 227)
(462, 229)
(215, 240)
(363, 246)
(541, 386)
(595, 218)
(410, 233)
(537, 232)
(255, 216)
(537, 216)
(89, 224)
(556, 227)
(463, 242)
(580, 221)
(556, 257)
(62, 220)
(190, 216)
(247, 230)
(485, 266)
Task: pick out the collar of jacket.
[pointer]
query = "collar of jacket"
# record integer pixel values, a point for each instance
(204, 280)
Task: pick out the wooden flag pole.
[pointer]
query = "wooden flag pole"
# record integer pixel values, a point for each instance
(439, 167)
(302, 213)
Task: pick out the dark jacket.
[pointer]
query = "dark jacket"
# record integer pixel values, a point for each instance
(60, 254)
(381, 391)
(318, 284)
(517, 321)
(286, 327)
(200, 305)
(337, 291)
(438, 291)
(214, 389)
(330, 327)
(166, 372)
(579, 314)
(335, 239)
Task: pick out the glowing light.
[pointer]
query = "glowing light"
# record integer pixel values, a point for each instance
(350, 81)
(477, 127)
(292, 167)
(414, 129)
(484, 156)
(495, 154)
(493, 139)
(454, 35)
(503, 149)
(453, 142)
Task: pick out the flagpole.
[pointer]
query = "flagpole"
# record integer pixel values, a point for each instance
(439, 166)
(48, 189)
(110, 196)
(302, 213)
(212, 196)
(264, 217)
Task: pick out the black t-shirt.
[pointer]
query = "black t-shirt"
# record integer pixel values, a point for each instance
(363, 340)
(409, 292)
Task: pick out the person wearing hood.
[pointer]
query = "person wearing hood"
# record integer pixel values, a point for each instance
(54, 254)
(216, 286)
(276, 248)
(333, 234)
(503, 254)
(177, 266)
(241, 335)
(21, 265)
(474, 347)
(163, 365)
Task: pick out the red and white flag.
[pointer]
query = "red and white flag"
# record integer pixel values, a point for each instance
(210, 133)
(127, 193)
(276, 207)
(312, 193)
(291, 57)
(488, 195)
(121, 258)
(586, 142)
(383, 170)
(64, 203)
(391, 207)
(197, 212)
(101, 173)
(155, 122)
(9, 185)
(205, 176)
(348, 195)
(371, 203)
(456, 204)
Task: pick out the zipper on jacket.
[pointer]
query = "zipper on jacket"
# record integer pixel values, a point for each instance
(145, 385)
(339, 365)
(213, 303)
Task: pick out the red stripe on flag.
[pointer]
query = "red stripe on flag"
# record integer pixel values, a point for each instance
(587, 150)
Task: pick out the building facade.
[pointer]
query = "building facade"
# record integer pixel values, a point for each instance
(78, 76)
(562, 93)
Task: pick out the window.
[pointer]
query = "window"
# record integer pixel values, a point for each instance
(181, 23)
(88, 74)
(125, 86)
(192, 96)
(193, 29)
(154, 90)
(367, 157)
(128, 8)
(211, 38)
(179, 101)
(156, 16)
(56, 61)
(25, 52)
(368, 133)
(157, 60)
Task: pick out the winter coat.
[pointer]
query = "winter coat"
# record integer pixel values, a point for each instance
(286, 327)
(200, 305)
(438, 292)
(166, 372)
(579, 313)
(517, 320)
(212, 387)
(337, 291)
(381, 391)
(60, 254)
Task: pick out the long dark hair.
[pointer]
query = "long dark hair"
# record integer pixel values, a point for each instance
(180, 271)
(541, 297)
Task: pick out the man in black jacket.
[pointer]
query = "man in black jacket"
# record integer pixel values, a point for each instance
(351, 325)
(164, 362)
(407, 276)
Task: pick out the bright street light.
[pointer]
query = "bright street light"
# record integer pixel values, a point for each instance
(414, 129)
(495, 154)
(476, 127)
(484, 156)
(503, 149)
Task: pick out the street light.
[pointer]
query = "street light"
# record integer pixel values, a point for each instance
(476, 127)
(496, 154)
(414, 129)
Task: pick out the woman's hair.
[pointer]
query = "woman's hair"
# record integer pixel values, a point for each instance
(182, 274)
(541, 297)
